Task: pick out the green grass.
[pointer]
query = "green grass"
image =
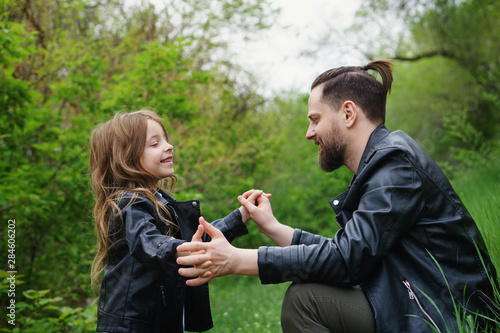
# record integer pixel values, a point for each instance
(479, 189)
(243, 304)
(480, 192)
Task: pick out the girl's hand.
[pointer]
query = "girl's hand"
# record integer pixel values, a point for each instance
(245, 215)
(258, 207)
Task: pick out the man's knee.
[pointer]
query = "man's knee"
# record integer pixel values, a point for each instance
(292, 310)
(297, 302)
(294, 298)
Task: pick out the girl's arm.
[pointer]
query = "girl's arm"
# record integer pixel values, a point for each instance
(231, 226)
(145, 242)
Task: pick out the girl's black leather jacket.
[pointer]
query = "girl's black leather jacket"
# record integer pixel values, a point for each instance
(141, 290)
(399, 219)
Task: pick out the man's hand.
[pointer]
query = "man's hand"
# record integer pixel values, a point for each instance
(258, 207)
(215, 258)
(196, 238)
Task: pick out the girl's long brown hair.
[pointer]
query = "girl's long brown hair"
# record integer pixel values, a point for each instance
(116, 148)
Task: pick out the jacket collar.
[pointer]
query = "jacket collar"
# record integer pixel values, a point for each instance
(163, 197)
(377, 135)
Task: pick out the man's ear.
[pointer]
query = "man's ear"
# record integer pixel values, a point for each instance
(350, 113)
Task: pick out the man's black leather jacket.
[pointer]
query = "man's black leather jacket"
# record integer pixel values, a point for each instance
(399, 218)
(141, 290)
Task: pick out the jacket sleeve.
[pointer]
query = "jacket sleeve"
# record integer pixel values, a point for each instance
(390, 201)
(231, 226)
(144, 240)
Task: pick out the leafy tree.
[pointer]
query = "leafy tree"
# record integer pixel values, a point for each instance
(468, 33)
(450, 45)
(66, 66)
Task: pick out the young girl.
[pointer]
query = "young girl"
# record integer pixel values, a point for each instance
(139, 227)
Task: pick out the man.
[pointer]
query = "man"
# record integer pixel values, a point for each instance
(402, 228)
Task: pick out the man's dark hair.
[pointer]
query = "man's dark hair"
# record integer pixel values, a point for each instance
(356, 84)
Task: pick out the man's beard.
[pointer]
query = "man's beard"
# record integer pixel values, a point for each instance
(333, 149)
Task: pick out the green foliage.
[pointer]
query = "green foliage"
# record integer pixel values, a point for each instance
(159, 77)
(14, 93)
(40, 312)
(428, 101)
(448, 70)
(64, 68)
(468, 33)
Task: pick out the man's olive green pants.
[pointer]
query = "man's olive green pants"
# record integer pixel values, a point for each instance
(319, 308)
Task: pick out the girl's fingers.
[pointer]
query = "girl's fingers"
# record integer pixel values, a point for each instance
(193, 272)
(193, 259)
(198, 281)
(204, 265)
(212, 231)
(198, 234)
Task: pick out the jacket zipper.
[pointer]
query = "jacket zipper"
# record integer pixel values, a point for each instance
(413, 296)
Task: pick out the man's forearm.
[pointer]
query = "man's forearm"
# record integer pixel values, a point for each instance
(281, 234)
